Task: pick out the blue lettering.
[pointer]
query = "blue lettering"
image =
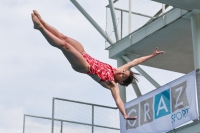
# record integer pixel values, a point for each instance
(187, 110)
(179, 115)
(173, 118)
(162, 105)
(184, 113)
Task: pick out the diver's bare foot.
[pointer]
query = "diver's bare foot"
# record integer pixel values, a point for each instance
(36, 22)
(38, 16)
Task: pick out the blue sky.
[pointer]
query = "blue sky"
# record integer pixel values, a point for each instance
(32, 72)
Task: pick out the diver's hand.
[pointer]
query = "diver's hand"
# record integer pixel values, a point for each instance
(130, 118)
(156, 52)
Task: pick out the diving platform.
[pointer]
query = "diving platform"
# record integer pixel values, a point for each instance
(182, 4)
(177, 32)
(171, 33)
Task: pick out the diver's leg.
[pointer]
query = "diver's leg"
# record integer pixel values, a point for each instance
(48, 27)
(75, 58)
(78, 46)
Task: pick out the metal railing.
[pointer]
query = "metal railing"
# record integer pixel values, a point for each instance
(84, 117)
(70, 116)
(36, 124)
(129, 21)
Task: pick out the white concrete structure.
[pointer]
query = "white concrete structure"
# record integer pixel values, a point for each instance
(177, 32)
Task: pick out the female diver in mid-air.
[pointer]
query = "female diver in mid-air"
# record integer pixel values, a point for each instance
(104, 74)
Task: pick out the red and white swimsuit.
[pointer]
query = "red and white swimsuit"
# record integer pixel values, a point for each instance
(104, 71)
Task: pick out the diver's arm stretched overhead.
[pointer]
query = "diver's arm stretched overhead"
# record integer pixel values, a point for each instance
(140, 60)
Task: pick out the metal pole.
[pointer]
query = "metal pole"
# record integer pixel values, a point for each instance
(134, 84)
(195, 23)
(134, 13)
(150, 79)
(74, 122)
(114, 19)
(113, 2)
(61, 127)
(141, 71)
(24, 124)
(52, 126)
(84, 103)
(157, 14)
(130, 16)
(121, 24)
(92, 119)
(89, 18)
(163, 8)
(136, 89)
(121, 62)
(122, 89)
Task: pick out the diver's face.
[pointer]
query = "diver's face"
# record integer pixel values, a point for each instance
(121, 75)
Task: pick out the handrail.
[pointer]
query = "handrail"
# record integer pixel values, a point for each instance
(86, 103)
(76, 122)
(113, 2)
(158, 13)
(140, 14)
(47, 118)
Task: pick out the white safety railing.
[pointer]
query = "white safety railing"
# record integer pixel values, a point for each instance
(36, 124)
(73, 116)
(131, 15)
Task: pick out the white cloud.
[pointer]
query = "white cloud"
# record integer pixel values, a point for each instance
(11, 119)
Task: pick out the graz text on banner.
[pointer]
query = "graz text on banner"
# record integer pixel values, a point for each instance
(164, 108)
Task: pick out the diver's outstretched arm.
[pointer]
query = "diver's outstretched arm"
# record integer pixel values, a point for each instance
(116, 95)
(140, 60)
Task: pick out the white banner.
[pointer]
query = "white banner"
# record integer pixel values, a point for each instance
(164, 108)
